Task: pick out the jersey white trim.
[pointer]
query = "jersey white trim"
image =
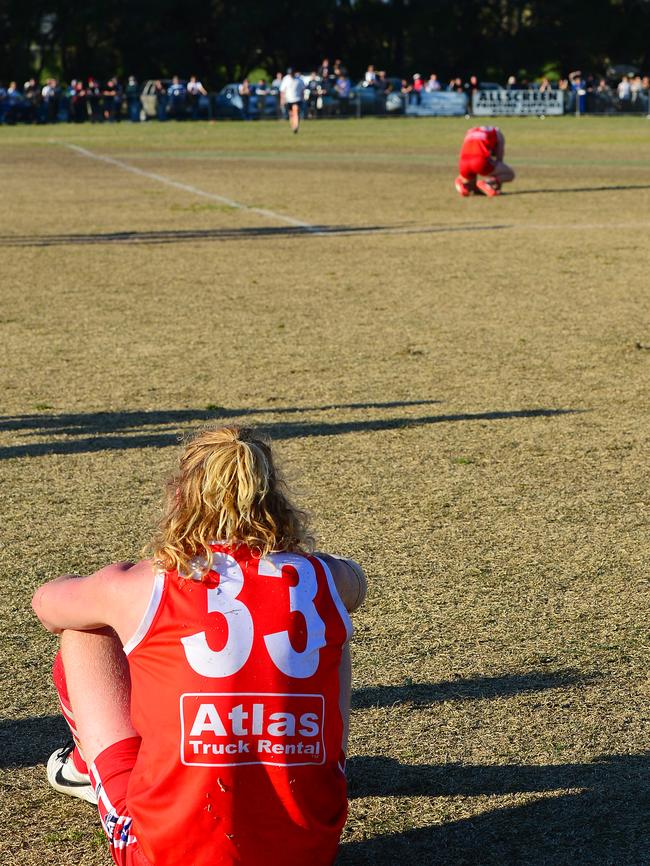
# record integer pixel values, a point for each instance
(336, 598)
(149, 614)
(116, 827)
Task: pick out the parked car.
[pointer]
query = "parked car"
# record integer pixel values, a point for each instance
(149, 100)
(374, 100)
(228, 103)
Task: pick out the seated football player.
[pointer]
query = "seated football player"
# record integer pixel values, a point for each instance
(207, 687)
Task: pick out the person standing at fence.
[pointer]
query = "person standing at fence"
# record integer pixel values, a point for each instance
(276, 84)
(292, 92)
(50, 100)
(12, 103)
(324, 70)
(470, 88)
(118, 100)
(245, 93)
(207, 688)
(312, 91)
(109, 94)
(261, 92)
(177, 94)
(133, 99)
(79, 102)
(343, 89)
(624, 93)
(160, 92)
(415, 96)
(31, 96)
(195, 90)
(482, 153)
(94, 92)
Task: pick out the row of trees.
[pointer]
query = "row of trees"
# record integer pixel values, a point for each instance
(223, 39)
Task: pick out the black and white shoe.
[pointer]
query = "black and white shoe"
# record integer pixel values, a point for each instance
(64, 777)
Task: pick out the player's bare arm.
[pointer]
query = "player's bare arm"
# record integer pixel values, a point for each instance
(501, 146)
(114, 596)
(350, 580)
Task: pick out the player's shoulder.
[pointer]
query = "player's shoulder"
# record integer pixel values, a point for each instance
(349, 578)
(126, 574)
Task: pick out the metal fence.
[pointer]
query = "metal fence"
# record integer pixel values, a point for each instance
(228, 103)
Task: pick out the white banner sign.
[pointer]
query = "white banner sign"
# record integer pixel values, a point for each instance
(491, 102)
(438, 103)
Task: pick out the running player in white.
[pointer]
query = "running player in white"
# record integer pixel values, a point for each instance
(292, 92)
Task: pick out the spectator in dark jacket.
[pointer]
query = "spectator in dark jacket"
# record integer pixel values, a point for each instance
(94, 92)
(177, 95)
(161, 100)
(108, 99)
(79, 102)
(31, 96)
(133, 100)
(261, 92)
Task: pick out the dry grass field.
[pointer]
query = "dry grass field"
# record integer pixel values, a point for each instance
(459, 390)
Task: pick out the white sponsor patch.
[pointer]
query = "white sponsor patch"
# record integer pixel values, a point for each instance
(229, 729)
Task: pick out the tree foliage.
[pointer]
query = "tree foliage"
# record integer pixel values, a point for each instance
(223, 39)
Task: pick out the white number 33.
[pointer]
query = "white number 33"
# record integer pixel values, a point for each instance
(223, 599)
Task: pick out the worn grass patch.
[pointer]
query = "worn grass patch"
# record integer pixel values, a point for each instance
(458, 388)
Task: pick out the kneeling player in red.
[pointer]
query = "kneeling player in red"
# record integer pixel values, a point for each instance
(207, 687)
(482, 154)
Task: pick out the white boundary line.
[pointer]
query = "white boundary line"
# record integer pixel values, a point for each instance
(550, 227)
(185, 187)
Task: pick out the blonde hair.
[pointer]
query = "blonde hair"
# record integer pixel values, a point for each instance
(227, 489)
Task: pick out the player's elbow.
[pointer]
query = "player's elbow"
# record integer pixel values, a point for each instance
(39, 606)
(37, 601)
(363, 586)
(349, 578)
(356, 586)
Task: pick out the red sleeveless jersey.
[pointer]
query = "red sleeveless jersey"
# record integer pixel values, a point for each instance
(479, 141)
(235, 693)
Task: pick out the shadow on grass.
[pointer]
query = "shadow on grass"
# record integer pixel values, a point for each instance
(103, 422)
(27, 742)
(98, 441)
(467, 690)
(592, 813)
(579, 189)
(31, 741)
(227, 234)
(601, 825)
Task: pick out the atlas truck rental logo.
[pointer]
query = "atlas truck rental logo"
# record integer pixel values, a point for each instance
(226, 730)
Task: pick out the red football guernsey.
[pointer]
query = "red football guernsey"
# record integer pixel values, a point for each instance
(235, 685)
(479, 141)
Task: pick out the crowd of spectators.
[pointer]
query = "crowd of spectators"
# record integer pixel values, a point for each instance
(630, 94)
(589, 92)
(111, 101)
(417, 85)
(75, 102)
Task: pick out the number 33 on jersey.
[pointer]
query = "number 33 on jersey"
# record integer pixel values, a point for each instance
(255, 679)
